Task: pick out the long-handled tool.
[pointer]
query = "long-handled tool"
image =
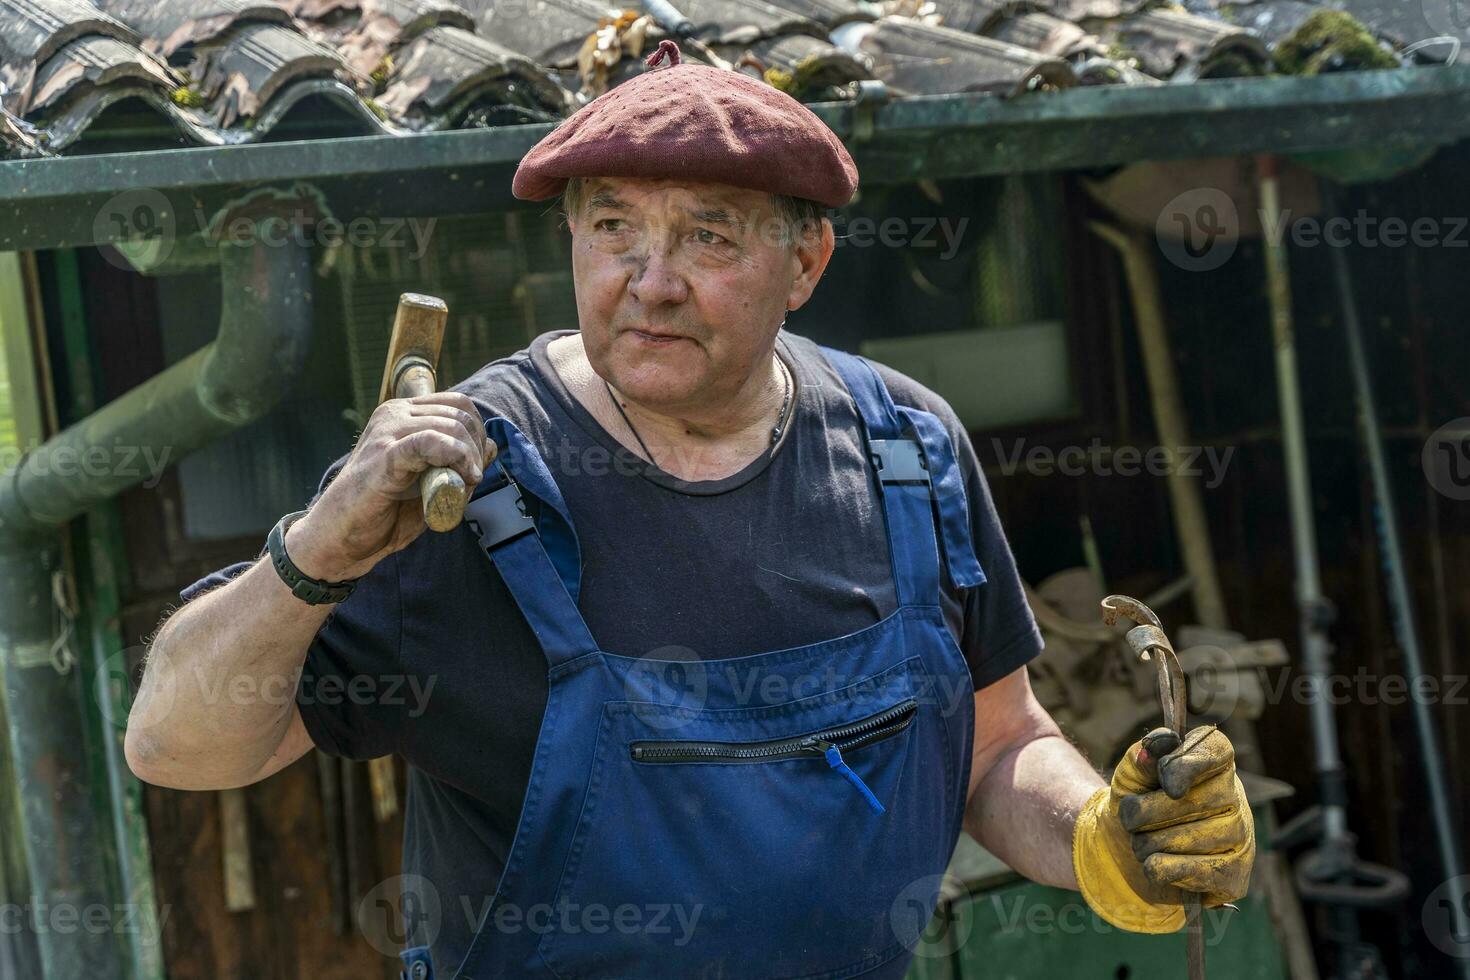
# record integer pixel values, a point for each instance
(1447, 835)
(1148, 641)
(1331, 872)
(413, 357)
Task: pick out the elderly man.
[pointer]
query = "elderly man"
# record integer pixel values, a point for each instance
(731, 646)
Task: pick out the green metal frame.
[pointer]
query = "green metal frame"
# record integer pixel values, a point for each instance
(100, 561)
(15, 878)
(110, 853)
(65, 202)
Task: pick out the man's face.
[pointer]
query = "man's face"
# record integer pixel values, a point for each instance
(681, 286)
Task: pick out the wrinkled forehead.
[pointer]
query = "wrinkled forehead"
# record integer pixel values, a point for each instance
(672, 195)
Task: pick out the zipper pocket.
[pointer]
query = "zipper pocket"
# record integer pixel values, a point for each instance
(828, 744)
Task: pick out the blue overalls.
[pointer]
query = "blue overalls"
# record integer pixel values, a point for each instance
(787, 814)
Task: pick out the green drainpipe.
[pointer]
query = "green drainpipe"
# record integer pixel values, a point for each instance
(258, 354)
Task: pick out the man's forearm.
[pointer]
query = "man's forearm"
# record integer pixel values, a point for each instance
(1025, 808)
(218, 692)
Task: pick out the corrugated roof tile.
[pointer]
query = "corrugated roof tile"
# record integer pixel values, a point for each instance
(1048, 35)
(805, 67)
(96, 61)
(236, 73)
(32, 32)
(365, 32)
(168, 25)
(1175, 43)
(229, 70)
(913, 57)
(549, 32)
(439, 76)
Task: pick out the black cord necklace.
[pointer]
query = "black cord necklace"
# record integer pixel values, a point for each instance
(776, 430)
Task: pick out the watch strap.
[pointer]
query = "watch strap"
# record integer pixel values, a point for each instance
(312, 591)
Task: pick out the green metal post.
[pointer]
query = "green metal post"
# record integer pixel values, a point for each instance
(19, 955)
(100, 561)
(64, 842)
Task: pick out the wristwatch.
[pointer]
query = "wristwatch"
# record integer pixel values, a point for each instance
(312, 591)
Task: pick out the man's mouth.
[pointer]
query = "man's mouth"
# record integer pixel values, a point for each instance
(654, 337)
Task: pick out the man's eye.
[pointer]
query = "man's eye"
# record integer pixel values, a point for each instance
(706, 237)
(610, 224)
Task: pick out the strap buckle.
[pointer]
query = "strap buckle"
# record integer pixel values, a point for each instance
(898, 461)
(498, 516)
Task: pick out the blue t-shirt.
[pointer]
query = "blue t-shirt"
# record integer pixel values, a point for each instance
(431, 659)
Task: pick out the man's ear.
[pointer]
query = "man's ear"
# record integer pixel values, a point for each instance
(811, 256)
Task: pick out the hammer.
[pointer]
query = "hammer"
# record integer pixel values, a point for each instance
(1148, 641)
(413, 353)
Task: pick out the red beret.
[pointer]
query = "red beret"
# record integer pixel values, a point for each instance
(698, 122)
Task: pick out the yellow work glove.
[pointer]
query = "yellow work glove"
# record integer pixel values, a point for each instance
(1163, 827)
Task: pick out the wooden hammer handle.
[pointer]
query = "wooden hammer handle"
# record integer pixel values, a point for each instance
(442, 489)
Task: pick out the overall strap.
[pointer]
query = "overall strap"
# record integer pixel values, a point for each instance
(540, 562)
(919, 482)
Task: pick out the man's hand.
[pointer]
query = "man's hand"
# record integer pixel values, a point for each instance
(1165, 826)
(372, 508)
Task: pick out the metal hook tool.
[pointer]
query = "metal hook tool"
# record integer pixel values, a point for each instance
(1148, 641)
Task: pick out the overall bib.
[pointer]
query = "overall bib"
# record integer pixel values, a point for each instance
(786, 814)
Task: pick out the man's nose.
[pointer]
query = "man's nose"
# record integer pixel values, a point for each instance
(659, 279)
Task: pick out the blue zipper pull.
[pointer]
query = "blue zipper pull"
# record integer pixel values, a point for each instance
(834, 759)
